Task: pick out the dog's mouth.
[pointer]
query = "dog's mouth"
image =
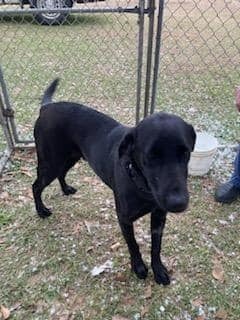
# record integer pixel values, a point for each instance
(177, 208)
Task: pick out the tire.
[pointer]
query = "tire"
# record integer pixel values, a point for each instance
(51, 18)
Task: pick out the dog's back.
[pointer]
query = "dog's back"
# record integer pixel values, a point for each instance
(66, 129)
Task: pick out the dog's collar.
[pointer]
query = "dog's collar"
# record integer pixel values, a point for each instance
(137, 177)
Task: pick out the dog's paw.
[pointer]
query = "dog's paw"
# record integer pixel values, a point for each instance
(140, 269)
(161, 276)
(44, 212)
(69, 190)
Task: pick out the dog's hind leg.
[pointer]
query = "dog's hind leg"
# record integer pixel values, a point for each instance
(44, 177)
(67, 190)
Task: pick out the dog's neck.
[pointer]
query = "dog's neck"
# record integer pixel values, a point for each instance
(136, 175)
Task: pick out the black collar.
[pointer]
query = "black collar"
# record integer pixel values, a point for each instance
(137, 177)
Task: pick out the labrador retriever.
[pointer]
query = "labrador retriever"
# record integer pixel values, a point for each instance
(146, 166)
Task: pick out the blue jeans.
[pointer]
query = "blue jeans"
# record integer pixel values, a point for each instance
(235, 179)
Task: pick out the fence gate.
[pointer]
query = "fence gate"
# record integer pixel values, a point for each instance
(107, 55)
(103, 51)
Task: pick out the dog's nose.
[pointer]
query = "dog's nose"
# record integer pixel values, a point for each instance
(176, 203)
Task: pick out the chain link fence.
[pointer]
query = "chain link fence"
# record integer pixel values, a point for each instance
(94, 53)
(200, 64)
(106, 54)
(96, 48)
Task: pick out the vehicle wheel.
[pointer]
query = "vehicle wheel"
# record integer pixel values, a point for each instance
(51, 18)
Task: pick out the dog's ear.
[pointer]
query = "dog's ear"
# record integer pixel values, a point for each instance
(127, 145)
(191, 137)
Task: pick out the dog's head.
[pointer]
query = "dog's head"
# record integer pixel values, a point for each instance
(160, 145)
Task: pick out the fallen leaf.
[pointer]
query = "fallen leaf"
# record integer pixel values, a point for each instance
(148, 292)
(5, 312)
(77, 228)
(119, 318)
(4, 195)
(144, 310)
(23, 199)
(90, 225)
(16, 306)
(100, 269)
(120, 277)
(128, 300)
(218, 272)
(29, 193)
(197, 302)
(76, 196)
(92, 180)
(221, 315)
(26, 171)
(115, 246)
(202, 317)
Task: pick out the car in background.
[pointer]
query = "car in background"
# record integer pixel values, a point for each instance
(47, 18)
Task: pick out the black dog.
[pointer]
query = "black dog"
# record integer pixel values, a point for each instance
(145, 166)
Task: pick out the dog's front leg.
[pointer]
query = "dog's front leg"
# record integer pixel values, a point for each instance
(158, 219)
(137, 263)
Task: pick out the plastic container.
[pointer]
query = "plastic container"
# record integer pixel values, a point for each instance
(203, 154)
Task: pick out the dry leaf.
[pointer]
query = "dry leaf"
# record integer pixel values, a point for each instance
(197, 302)
(102, 268)
(29, 193)
(76, 196)
(120, 277)
(23, 199)
(221, 315)
(88, 226)
(115, 246)
(148, 292)
(128, 300)
(16, 306)
(26, 171)
(77, 228)
(92, 180)
(5, 312)
(218, 272)
(4, 195)
(144, 310)
(119, 318)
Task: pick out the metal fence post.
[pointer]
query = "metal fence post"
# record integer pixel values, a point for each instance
(7, 133)
(157, 54)
(151, 6)
(10, 112)
(140, 58)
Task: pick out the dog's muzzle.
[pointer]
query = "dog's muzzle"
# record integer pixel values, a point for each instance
(175, 202)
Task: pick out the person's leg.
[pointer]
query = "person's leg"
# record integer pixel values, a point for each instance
(230, 190)
(235, 179)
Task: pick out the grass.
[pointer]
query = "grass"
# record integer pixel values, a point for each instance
(45, 266)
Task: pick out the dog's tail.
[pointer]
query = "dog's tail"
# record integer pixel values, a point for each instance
(48, 94)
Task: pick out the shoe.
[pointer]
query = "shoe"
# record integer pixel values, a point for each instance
(227, 193)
